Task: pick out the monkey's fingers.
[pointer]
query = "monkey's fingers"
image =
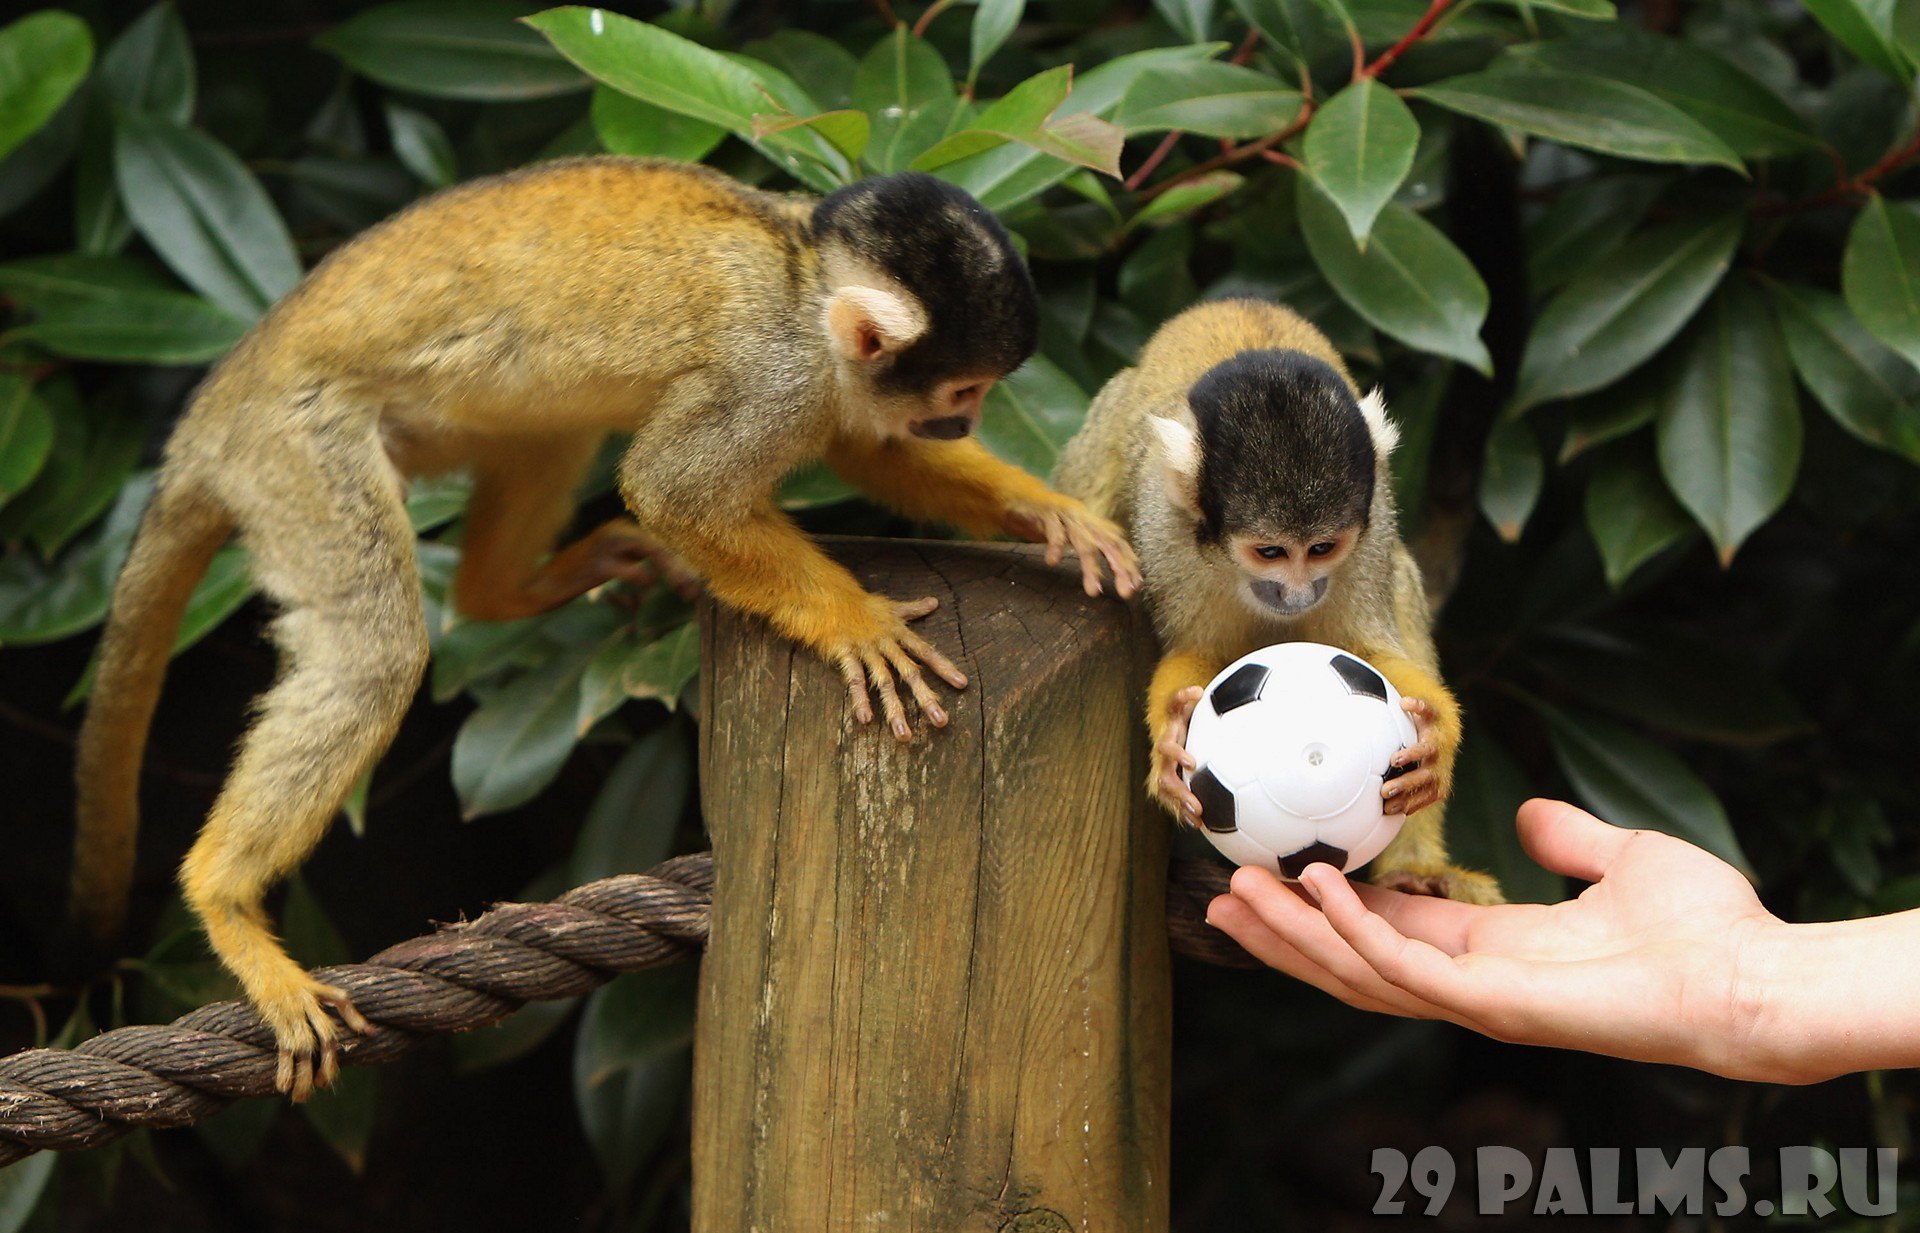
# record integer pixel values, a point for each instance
(922, 694)
(1054, 528)
(1410, 793)
(342, 1005)
(914, 609)
(1181, 705)
(1087, 552)
(880, 677)
(930, 655)
(1175, 794)
(856, 678)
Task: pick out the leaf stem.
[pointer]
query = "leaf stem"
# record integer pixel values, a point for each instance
(926, 19)
(1235, 156)
(1154, 160)
(1420, 30)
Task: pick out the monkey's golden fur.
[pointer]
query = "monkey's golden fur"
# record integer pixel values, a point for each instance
(505, 326)
(1376, 607)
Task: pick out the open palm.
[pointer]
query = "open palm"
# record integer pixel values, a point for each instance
(1645, 963)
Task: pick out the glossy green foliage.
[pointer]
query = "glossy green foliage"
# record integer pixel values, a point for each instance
(1645, 301)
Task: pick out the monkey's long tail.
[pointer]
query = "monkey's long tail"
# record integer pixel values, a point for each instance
(178, 535)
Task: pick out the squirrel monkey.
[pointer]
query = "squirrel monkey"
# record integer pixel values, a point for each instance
(1255, 483)
(506, 326)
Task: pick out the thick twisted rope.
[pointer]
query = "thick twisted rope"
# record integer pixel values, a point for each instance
(465, 976)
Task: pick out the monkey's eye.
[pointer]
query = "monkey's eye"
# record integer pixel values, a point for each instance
(1270, 552)
(1321, 549)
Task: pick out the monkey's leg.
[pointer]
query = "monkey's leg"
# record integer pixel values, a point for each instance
(960, 483)
(1416, 861)
(329, 541)
(1178, 683)
(522, 499)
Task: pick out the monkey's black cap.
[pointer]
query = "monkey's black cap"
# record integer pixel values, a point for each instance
(953, 254)
(1284, 449)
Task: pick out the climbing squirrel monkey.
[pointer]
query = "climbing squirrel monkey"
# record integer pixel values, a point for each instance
(506, 327)
(1255, 483)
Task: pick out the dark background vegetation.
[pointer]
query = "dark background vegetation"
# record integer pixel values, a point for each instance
(1640, 287)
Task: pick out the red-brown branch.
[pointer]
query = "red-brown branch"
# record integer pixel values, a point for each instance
(1420, 30)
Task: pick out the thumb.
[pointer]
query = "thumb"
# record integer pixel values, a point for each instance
(1567, 839)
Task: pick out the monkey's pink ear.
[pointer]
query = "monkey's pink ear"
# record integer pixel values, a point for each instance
(865, 323)
(1179, 461)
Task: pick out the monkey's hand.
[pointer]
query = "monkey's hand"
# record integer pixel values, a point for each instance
(620, 549)
(881, 647)
(1170, 757)
(294, 1006)
(1061, 522)
(1423, 766)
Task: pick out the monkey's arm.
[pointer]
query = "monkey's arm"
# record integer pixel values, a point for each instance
(1436, 718)
(754, 559)
(1176, 688)
(960, 483)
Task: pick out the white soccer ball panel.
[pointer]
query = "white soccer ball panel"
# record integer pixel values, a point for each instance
(1294, 742)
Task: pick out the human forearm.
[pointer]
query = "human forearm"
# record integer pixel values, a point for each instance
(1827, 999)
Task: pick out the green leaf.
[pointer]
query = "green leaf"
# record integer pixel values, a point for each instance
(93, 454)
(1629, 781)
(21, 1187)
(41, 157)
(904, 85)
(1729, 426)
(422, 146)
(1488, 790)
(1609, 415)
(630, 667)
(1590, 10)
(659, 67)
(814, 484)
(631, 825)
(1867, 389)
(993, 23)
(1880, 274)
(44, 603)
(825, 65)
(1032, 414)
(115, 309)
(1673, 683)
(1190, 19)
(513, 745)
(343, 1114)
(204, 213)
(846, 130)
(1410, 281)
(1612, 317)
(1582, 110)
(1024, 115)
(631, 1066)
(1184, 199)
(626, 125)
(1585, 226)
(1511, 477)
(1631, 515)
(26, 434)
(1864, 27)
(1007, 176)
(465, 49)
(149, 68)
(1207, 98)
(1751, 119)
(1359, 149)
(44, 57)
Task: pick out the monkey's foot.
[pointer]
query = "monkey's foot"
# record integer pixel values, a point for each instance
(1441, 882)
(622, 550)
(1165, 783)
(307, 1036)
(1067, 524)
(1416, 782)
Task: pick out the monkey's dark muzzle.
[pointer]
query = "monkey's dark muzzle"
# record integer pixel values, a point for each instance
(1289, 601)
(947, 428)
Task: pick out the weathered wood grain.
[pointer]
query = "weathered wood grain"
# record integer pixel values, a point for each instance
(936, 994)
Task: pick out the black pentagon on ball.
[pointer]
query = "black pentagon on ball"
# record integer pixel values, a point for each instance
(1295, 864)
(1360, 679)
(1239, 689)
(1216, 801)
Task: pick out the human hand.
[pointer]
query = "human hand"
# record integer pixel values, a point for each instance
(1648, 963)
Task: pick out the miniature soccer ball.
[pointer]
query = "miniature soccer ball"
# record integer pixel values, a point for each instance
(1293, 743)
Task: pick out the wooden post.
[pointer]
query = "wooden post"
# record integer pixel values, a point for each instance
(936, 996)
